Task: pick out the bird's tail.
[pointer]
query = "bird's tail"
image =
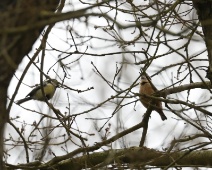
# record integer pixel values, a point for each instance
(23, 100)
(162, 115)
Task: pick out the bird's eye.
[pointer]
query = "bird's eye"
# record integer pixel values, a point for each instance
(143, 83)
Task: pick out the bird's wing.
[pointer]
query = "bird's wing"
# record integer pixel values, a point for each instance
(150, 81)
(36, 89)
(153, 86)
(33, 91)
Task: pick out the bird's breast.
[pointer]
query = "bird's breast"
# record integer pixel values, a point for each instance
(146, 89)
(49, 91)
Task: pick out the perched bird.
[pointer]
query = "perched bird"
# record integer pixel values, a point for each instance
(49, 87)
(147, 88)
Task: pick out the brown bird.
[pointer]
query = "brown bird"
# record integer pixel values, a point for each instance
(147, 88)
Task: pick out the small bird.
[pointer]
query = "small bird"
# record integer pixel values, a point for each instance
(49, 88)
(147, 88)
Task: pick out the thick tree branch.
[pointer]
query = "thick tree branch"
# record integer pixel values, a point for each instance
(134, 157)
(201, 85)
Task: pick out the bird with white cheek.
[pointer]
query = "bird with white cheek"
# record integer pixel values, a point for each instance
(146, 88)
(49, 88)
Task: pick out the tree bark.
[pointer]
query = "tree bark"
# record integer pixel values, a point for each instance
(134, 158)
(204, 11)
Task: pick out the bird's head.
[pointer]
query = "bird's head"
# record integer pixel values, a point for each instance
(54, 82)
(144, 79)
